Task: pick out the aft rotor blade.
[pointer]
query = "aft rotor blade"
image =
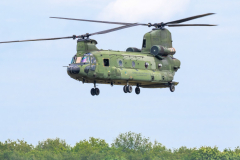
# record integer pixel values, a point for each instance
(44, 39)
(189, 18)
(114, 29)
(185, 25)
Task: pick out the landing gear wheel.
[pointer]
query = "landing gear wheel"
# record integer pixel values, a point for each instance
(172, 88)
(97, 91)
(137, 90)
(125, 89)
(93, 93)
(129, 89)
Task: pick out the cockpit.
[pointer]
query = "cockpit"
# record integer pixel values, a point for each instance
(87, 58)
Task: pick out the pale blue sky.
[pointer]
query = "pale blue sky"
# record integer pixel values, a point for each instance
(38, 100)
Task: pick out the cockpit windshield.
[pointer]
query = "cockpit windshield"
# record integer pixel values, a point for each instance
(85, 59)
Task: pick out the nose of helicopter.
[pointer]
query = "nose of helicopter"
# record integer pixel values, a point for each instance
(73, 69)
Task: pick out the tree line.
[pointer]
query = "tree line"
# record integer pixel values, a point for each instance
(127, 146)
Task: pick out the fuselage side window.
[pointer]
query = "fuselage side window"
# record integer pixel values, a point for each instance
(144, 43)
(120, 63)
(133, 64)
(106, 62)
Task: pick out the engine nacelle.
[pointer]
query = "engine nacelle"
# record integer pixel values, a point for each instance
(158, 50)
(133, 49)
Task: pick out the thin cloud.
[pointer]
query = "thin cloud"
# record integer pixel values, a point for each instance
(140, 10)
(81, 3)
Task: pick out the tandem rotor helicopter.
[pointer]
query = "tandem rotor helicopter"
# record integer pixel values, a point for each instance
(153, 66)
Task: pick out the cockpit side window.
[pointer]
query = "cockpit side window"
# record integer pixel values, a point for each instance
(74, 59)
(93, 60)
(93, 63)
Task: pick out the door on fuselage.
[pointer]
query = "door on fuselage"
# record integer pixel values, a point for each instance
(92, 69)
(106, 70)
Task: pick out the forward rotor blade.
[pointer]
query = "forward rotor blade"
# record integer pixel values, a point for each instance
(80, 36)
(189, 18)
(122, 23)
(108, 22)
(114, 29)
(44, 39)
(185, 25)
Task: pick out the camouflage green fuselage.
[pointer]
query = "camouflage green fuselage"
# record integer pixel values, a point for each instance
(117, 67)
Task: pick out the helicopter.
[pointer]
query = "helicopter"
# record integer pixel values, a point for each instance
(152, 66)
